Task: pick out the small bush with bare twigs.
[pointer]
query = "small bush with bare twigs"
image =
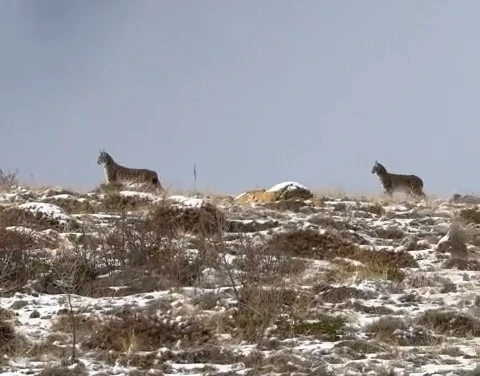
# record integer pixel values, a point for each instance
(155, 252)
(11, 343)
(20, 260)
(8, 179)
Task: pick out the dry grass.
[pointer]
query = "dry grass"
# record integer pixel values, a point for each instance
(77, 370)
(331, 294)
(461, 263)
(395, 331)
(321, 326)
(257, 310)
(117, 203)
(206, 220)
(153, 253)
(470, 215)
(12, 216)
(259, 265)
(282, 312)
(11, 343)
(127, 329)
(19, 260)
(370, 270)
(73, 205)
(330, 245)
(450, 323)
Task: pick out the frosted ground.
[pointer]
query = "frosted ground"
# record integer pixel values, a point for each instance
(209, 286)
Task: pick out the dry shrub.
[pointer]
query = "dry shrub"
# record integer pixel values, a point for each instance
(384, 328)
(284, 312)
(152, 254)
(470, 215)
(19, 262)
(360, 347)
(329, 245)
(395, 331)
(392, 233)
(325, 221)
(73, 205)
(115, 202)
(75, 370)
(310, 243)
(5, 314)
(287, 205)
(371, 310)
(321, 326)
(259, 265)
(170, 219)
(51, 347)
(286, 362)
(144, 331)
(375, 269)
(257, 309)
(376, 209)
(8, 179)
(461, 264)
(108, 188)
(331, 294)
(203, 354)
(12, 216)
(450, 323)
(249, 226)
(10, 342)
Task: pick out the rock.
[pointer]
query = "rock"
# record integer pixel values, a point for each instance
(280, 192)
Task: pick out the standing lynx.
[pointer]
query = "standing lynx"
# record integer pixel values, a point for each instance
(411, 184)
(116, 173)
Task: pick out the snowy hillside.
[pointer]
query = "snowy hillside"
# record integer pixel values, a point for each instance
(131, 283)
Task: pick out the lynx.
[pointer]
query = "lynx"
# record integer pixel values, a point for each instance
(116, 173)
(411, 184)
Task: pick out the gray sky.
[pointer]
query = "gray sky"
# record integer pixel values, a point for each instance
(253, 92)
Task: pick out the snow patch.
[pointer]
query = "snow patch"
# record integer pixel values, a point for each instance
(50, 210)
(188, 201)
(287, 185)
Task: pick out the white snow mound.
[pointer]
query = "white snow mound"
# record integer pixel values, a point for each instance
(287, 185)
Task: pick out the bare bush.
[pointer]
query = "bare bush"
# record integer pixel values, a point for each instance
(329, 245)
(145, 331)
(450, 323)
(11, 343)
(8, 179)
(19, 260)
(205, 220)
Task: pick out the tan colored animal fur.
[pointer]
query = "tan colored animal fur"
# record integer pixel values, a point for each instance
(411, 184)
(116, 173)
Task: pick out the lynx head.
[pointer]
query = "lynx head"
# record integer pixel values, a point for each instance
(104, 158)
(378, 169)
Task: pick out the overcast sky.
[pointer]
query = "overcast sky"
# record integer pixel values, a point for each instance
(253, 92)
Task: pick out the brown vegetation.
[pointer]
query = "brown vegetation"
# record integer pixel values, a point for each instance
(470, 215)
(450, 323)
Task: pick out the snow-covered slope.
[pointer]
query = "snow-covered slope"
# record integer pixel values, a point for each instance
(184, 287)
